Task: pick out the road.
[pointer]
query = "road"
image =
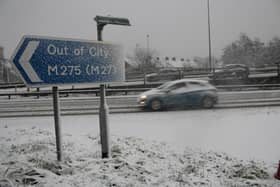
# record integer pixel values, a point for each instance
(86, 104)
(246, 133)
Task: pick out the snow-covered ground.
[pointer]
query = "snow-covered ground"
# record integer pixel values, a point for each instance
(213, 148)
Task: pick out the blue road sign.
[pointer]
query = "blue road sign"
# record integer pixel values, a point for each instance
(45, 61)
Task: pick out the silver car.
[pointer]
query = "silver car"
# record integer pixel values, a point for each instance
(179, 93)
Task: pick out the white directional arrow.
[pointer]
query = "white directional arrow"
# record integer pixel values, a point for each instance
(24, 61)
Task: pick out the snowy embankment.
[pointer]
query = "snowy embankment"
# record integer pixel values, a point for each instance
(28, 158)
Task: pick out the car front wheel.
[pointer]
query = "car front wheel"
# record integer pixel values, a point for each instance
(156, 105)
(208, 102)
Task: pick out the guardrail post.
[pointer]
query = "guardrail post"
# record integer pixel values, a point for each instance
(278, 69)
(145, 79)
(180, 74)
(38, 91)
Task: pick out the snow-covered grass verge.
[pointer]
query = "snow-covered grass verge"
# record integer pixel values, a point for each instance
(28, 158)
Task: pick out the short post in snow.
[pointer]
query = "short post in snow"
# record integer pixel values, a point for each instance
(104, 123)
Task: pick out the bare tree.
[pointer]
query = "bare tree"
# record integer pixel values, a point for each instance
(146, 60)
(7, 72)
(244, 51)
(272, 53)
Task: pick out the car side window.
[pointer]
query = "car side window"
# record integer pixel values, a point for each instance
(177, 86)
(196, 84)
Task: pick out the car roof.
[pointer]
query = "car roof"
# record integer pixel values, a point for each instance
(201, 82)
(190, 80)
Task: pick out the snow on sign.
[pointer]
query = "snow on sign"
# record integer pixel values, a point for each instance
(44, 61)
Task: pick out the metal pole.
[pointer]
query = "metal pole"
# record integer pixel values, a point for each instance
(56, 107)
(8, 77)
(103, 123)
(147, 63)
(103, 111)
(99, 31)
(148, 44)
(209, 36)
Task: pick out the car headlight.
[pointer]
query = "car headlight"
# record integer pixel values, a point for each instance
(143, 97)
(142, 100)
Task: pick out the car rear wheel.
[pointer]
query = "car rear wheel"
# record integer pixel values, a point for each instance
(156, 105)
(208, 102)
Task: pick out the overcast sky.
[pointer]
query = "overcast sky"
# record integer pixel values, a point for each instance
(175, 27)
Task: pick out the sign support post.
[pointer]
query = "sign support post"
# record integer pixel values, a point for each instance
(56, 108)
